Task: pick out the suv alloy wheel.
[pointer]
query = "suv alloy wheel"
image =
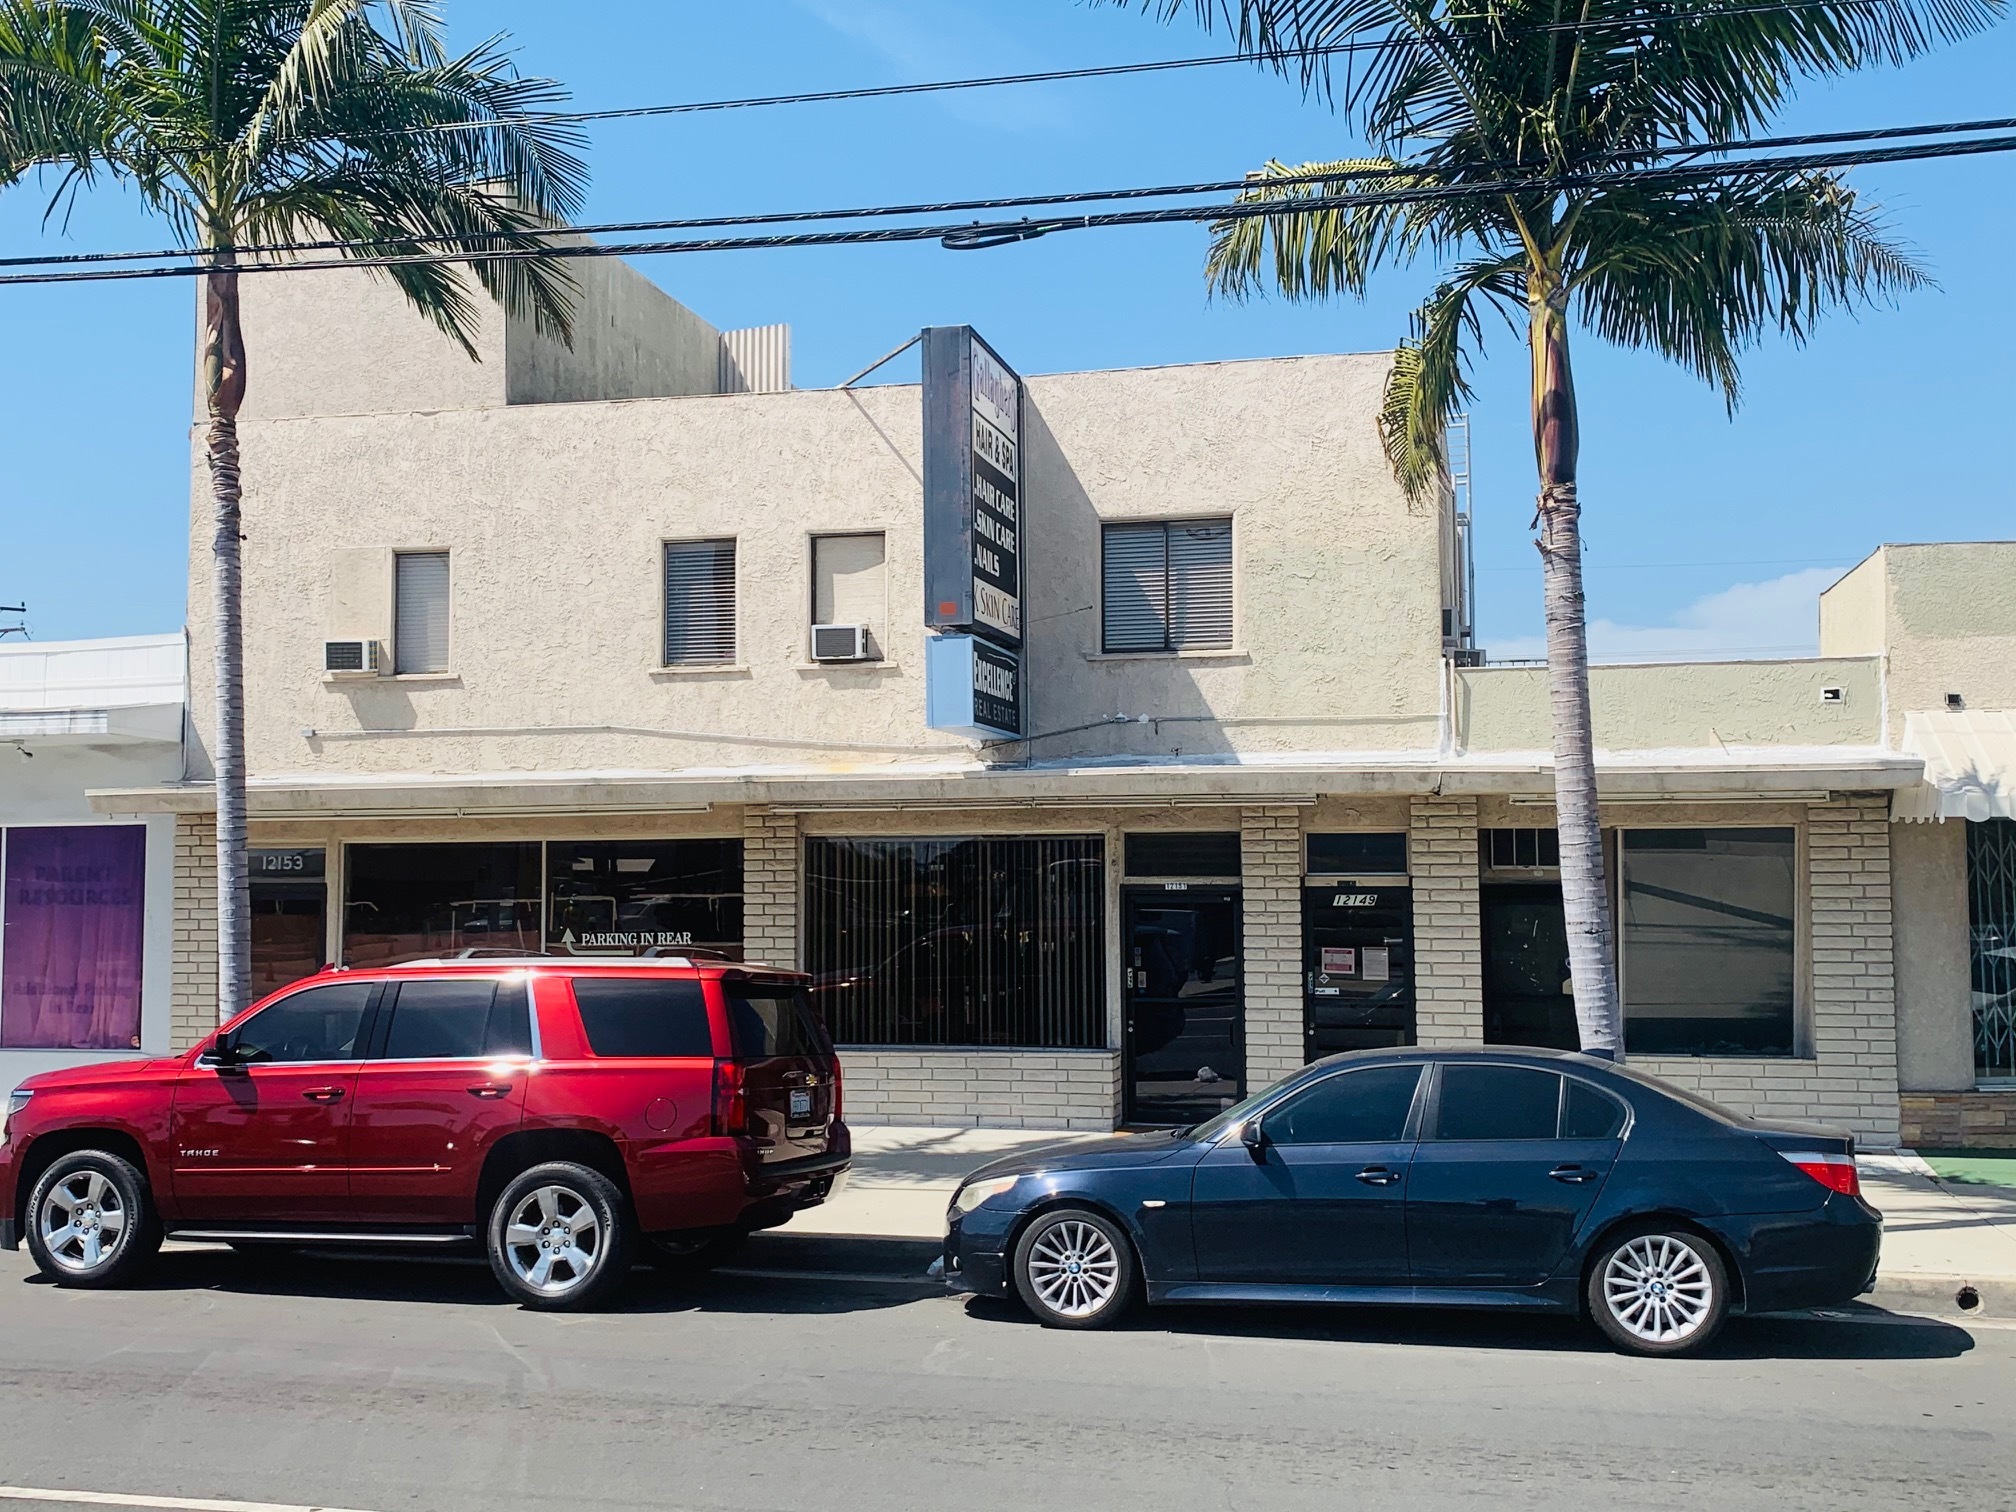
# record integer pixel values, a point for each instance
(91, 1222)
(559, 1237)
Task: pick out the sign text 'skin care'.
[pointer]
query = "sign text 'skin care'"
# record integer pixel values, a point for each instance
(972, 488)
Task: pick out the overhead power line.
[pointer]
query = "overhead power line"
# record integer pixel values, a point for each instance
(479, 239)
(977, 235)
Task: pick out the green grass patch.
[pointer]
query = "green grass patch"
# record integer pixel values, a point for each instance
(1973, 1167)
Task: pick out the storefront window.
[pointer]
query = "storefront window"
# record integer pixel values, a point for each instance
(959, 941)
(1991, 909)
(72, 931)
(289, 911)
(408, 902)
(1706, 941)
(624, 897)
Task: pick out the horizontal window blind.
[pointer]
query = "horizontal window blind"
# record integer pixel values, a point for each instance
(1136, 588)
(1200, 584)
(1167, 585)
(420, 613)
(699, 602)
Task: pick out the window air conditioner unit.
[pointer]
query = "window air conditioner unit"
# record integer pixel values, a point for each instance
(839, 643)
(350, 658)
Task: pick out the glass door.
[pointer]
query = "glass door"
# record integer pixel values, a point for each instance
(1186, 1031)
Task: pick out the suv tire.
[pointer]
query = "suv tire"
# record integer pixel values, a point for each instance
(559, 1237)
(91, 1221)
(1658, 1289)
(1074, 1268)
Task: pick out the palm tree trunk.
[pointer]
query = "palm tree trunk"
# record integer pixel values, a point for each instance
(224, 391)
(1599, 1017)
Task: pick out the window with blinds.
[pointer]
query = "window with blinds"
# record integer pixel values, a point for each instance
(1167, 585)
(850, 585)
(420, 612)
(699, 602)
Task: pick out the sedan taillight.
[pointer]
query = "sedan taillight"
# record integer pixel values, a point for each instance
(731, 1100)
(1835, 1172)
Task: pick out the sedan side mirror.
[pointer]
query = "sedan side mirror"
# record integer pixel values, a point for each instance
(1253, 1135)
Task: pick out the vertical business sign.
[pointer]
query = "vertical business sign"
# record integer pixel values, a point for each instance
(973, 535)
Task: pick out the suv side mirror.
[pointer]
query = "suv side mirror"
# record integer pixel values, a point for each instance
(224, 1052)
(1253, 1135)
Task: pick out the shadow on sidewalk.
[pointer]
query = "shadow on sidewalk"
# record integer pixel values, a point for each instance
(1866, 1334)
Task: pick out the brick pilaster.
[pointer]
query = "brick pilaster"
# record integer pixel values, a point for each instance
(1448, 928)
(1270, 857)
(192, 999)
(770, 887)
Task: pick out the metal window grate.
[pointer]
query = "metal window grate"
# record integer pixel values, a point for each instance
(420, 614)
(995, 941)
(1168, 585)
(1991, 919)
(699, 602)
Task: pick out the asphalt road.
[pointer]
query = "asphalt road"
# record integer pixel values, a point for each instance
(384, 1386)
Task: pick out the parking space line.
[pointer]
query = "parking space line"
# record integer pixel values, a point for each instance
(168, 1503)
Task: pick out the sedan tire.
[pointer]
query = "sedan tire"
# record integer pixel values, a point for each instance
(1658, 1289)
(91, 1221)
(1074, 1268)
(559, 1237)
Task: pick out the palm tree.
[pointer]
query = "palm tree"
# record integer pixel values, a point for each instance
(1456, 92)
(255, 122)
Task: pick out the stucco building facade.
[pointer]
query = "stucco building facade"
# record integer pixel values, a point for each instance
(529, 665)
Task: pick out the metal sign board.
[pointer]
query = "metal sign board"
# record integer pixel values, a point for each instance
(973, 557)
(972, 688)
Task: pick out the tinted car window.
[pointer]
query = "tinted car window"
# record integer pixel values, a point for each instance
(1589, 1114)
(767, 1021)
(320, 1024)
(644, 1016)
(1358, 1107)
(458, 1019)
(1497, 1102)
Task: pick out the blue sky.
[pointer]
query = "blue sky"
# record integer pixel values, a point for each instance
(1705, 535)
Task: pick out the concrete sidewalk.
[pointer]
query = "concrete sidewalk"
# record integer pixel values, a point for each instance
(1944, 1243)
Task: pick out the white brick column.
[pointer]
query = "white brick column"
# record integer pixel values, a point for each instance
(1854, 1019)
(770, 887)
(192, 997)
(1270, 858)
(1448, 928)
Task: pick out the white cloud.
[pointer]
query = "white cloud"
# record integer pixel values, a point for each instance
(1747, 621)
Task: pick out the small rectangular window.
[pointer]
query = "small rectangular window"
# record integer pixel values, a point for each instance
(1524, 849)
(699, 603)
(1358, 855)
(1212, 854)
(1497, 1102)
(420, 612)
(1167, 585)
(849, 585)
(639, 1016)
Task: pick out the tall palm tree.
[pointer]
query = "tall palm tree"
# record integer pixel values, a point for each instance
(1456, 92)
(254, 122)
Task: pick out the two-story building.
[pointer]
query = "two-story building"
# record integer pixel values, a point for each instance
(530, 664)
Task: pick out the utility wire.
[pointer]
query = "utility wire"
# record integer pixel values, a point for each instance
(978, 235)
(472, 239)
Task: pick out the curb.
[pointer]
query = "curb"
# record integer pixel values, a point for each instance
(1944, 1296)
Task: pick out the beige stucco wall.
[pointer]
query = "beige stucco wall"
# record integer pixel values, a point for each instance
(1935, 1019)
(631, 340)
(555, 516)
(1682, 705)
(1854, 609)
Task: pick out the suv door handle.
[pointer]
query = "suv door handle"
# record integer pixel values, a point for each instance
(1378, 1176)
(323, 1094)
(490, 1089)
(1572, 1173)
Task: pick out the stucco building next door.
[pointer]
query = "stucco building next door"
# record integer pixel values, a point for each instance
(1185, 1013)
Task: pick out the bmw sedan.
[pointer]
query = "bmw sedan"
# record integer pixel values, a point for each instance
(1525, 1179)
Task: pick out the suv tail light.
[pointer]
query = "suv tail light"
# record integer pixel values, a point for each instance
(1835, 1172)
(731, 1101)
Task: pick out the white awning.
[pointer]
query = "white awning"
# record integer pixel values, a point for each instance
(1970, 766)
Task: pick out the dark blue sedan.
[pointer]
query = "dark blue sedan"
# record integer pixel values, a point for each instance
(1526, 1179)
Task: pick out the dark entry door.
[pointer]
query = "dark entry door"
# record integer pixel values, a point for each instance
(1526, 991)
(1357, 968)
(1186, 1035)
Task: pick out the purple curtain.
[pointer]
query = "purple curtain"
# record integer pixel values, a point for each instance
(74, 912)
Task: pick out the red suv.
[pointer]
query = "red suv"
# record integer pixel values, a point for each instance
(559, 1112)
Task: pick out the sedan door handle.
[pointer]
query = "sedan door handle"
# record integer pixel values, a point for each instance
(1378, 1176)
(323, 1094)
(490, 1089)
(1572, 1173)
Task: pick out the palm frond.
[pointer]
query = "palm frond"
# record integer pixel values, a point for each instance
(1428, 382)
(1313, 254)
